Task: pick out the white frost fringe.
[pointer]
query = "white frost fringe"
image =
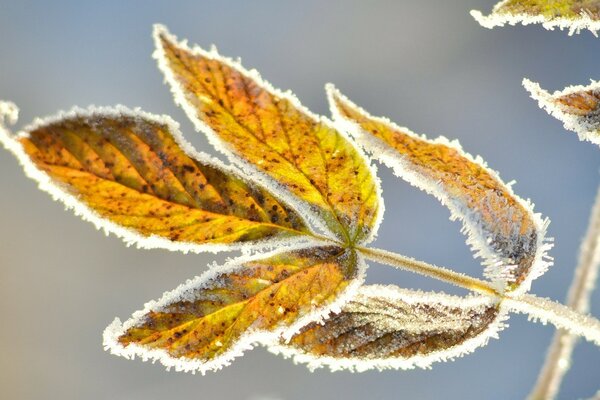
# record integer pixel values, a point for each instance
(497, 18)
(558, 357)
(392, 294)
(130, 236)
(495, 267)
(180, 99)
(246, 342)
(559, 315)
(571, 122)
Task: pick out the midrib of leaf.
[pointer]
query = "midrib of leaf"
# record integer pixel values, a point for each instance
(215, 217)
(181, 187)
(238, 308)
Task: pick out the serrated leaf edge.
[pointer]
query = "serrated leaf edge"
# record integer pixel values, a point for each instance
(129, 236)
(246, 342)
(394, 293)
(388, 156)
(221, 146)
(570, 122)
(574, 26)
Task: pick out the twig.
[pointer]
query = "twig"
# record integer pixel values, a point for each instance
(558, 359)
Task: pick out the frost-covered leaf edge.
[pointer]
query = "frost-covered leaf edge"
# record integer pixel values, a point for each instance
(570, 122)
(221, 146)
(500, 19)
(129, 236)
(388, 156)
(245, 342)
(395, 293)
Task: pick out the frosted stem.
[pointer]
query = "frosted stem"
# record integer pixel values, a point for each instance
(559, 315)
(538, 309)
(423, 268)
(558, 359)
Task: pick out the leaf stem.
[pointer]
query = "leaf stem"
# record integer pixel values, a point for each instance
(539, 309)
(559, 315)
(558, 358)
(433, 271)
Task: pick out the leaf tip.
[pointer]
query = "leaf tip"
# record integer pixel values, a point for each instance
(483, 20)
(330, 89)
(160, 32)
(534, 89)
(110, 338)
(9, 112)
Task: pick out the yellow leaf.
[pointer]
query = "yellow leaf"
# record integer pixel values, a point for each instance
(135, 170)
(386, 327)
(576, 106)
(206, 322)
(574, 15)
(270, 131)
(501, 227)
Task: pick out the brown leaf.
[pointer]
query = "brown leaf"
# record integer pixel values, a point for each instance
(387, 327)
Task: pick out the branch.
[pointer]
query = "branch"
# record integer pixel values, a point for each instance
(558, 359)
(559, 315)
(432, 271)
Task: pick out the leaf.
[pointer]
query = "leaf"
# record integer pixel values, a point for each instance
(501, 227)
(574, 15)
(387, 327)
(206, 322)
(576, 106)
(269, 131)
(133, 174)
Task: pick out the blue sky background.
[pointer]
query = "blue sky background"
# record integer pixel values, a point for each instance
(425, 64)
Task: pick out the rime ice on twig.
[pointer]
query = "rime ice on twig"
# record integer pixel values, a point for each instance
(558, 359)
(386, 327)
(578, 107)
(574, 15)
(547, 311)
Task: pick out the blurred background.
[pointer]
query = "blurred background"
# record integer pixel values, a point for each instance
(425, 64)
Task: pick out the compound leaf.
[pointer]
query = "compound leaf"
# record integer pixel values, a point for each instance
(573, 15)
(501, 227)
(132, 174)
(387, 327)
(206, 322)
(271, 132)
(578, 107)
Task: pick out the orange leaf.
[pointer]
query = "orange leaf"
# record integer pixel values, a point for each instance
(501, 227)
(386, 327)
(206, 322)
(270, 131)
(135, 170)
(578, 107)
